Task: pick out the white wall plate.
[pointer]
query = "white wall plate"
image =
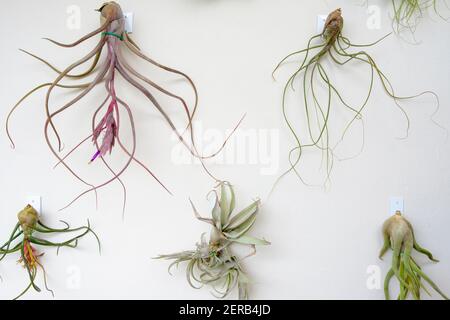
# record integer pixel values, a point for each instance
(396, 204)
(321, 19)
(36, 202)
(129, 19)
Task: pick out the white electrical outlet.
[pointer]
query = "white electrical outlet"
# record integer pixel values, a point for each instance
(321, 19)
(129, 17)
(35, 202)
(396, 204)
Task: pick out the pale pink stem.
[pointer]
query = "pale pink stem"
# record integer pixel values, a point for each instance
(108, 122)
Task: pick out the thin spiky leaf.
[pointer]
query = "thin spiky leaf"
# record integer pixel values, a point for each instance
(199, 217)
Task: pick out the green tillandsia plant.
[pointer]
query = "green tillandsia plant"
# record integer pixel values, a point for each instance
(213, 263)
(407, 13)
(333, 45)
(23, 238)
(399, 236)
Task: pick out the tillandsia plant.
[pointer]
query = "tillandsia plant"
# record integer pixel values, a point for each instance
(399, 236)
(24, 237)
(332, 44)
(106, 121)
(408, 12)
(213, 263)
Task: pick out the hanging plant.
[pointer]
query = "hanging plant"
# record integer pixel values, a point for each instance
(332, 44)
(407, 13)
(24, 238)
(106, 120)
(213, 263)
(399, 236)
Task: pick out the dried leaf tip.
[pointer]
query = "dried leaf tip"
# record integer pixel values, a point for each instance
(111, 11)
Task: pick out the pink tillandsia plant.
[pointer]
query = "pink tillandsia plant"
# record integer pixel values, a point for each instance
(106, 131)
(108, 124)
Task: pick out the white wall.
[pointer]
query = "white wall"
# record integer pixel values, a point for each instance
(323, 241)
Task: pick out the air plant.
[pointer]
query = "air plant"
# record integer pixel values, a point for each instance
(399, 236)
(332, 44)
(408, 12)
(24, 237)
(213, 263)
(106, 122)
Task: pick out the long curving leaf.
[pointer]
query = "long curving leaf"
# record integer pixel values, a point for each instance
(242, 217)
(243, 282)
(216, 213)
(243, 278)
(232, 200)
(242, 229)
(224, 205)
(199, 217)
(190, 274)
(252, 241)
